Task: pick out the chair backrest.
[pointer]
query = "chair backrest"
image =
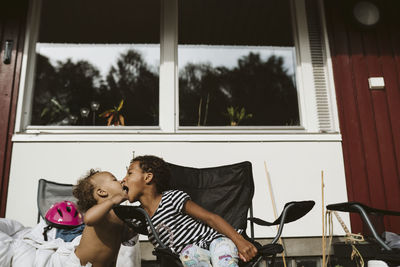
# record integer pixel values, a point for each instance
(50, 193)
(225, 190)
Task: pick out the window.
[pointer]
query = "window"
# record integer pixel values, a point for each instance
(97, 63)
(237, 63)
(176, 66)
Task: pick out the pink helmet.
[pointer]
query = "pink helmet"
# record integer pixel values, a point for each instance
(64, 214)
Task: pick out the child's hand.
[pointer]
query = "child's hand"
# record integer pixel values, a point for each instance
(246, 250)
(119, 198)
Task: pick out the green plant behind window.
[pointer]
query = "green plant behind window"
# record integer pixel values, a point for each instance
(114, 116)
(237, 115)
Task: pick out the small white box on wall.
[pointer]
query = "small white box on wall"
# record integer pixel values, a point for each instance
(376, 83)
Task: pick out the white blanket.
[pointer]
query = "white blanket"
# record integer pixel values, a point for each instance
(24, 247)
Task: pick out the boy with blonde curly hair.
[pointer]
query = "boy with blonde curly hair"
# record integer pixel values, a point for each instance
(97, 194)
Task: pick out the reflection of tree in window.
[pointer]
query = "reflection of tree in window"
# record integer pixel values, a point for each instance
(132, 80)
(62, 90)
(262, 87)
(198, 84)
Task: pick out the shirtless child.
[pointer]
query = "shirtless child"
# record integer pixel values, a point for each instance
(104, 232)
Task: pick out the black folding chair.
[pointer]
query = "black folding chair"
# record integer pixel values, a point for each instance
(224, 190)
(51, 192)
(373, 221)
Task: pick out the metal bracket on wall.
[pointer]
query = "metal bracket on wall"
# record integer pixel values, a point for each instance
(7, 51)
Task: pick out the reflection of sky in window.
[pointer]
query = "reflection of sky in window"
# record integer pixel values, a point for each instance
(228, 56)
(104, 55)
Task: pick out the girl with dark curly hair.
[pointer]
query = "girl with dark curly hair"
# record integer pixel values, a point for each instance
(200, 237)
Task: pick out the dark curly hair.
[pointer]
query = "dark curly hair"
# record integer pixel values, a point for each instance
(158, 167)
(83, 191)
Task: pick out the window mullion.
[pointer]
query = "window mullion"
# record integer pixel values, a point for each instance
(307, 96)
(168, 65)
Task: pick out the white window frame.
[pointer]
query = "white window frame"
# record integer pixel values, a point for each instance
(168, 92)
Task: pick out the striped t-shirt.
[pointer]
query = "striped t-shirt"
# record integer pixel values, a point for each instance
(177, 229)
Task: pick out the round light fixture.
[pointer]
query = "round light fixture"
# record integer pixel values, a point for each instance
(84, 112)
(366, 13)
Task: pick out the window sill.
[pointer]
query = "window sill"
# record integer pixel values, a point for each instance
(158, 136)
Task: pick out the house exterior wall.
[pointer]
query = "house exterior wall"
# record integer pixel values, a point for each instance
(294, 161)
(12, 24)
(294, 167)
(369, 119)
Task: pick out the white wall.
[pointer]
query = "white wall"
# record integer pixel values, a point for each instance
(294, 168)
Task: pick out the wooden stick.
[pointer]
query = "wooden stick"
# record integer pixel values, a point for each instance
(274, 207)
(323, 220)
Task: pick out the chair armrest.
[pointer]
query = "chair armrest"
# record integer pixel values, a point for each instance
(137, 218)
(270, 249)
(292, 211)
(364, 210)
(158, 251)
(133, 217)
(166, 257)
(351, 207)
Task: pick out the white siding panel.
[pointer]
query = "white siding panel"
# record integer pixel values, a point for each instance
(294, 168)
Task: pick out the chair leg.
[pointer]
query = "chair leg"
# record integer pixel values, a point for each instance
(272, 261)
(168, 262)
(164, 262)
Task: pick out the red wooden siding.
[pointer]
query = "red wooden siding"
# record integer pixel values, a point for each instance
(369, 119)
(12, 23)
